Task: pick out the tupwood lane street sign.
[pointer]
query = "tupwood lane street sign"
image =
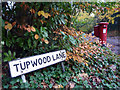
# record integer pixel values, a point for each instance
(29, 64)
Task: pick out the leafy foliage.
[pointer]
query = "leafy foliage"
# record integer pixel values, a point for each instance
(43, 27)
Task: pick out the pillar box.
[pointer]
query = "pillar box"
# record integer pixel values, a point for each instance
(103, 32)
(96, 30)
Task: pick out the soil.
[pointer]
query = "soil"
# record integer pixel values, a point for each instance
(115, 41)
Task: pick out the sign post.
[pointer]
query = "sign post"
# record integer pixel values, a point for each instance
(63, 66)
(29, 64)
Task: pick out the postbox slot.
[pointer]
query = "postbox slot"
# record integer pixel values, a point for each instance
(104, 26)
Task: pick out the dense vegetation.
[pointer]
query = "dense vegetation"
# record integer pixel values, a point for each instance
(36, 28)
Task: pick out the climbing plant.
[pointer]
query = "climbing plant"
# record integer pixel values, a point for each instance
(32, 28)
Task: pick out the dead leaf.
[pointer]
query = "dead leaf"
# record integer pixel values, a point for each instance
(83, 75)
(32, 10)
(8, 26)
(33, 29)
(95, 79)
(18, 26)
(36, 36)
(60, 86)
(67, 86)
(46, 15)
(46, 41)
(72, 84)
(55, 86)
(28, 29)
(41, 21)
(13, 23)
(42, 39)
(52, 81)
(44, 84)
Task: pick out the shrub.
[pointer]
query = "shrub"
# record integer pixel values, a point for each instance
(45, 29)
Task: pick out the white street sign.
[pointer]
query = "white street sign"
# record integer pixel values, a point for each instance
(29, 64)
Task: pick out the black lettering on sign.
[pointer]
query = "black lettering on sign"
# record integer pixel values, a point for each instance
(16, 67)
(23, 66)
(63, 53)
(40, 61)
(48, 58)
(27, 63)
(57, 56)
(34, 63)
(44, 59)
(53, 58)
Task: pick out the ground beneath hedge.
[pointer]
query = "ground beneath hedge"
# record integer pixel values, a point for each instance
(115, 41)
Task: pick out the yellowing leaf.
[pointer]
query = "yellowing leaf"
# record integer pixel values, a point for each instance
(118, 15)
(60, 86)
(8, 26)
(33, 29)
(36, 36)
(86, 64)
(46, 15)
(32, 10)
(81, 54)
(28, 29)
(46, 41)
(83, 59)
(112, 21)
(41, 13)
(74, 57)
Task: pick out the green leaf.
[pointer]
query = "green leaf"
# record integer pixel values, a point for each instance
(15, 87)
(72, 40)
(13, 82)
(2, 42)
(75, 80)
(6, 54)
(62, 33)
(85, 82)
(8, 43)
(29, 42)
(35, 44)
(6, 59)
(9, 52)
(50, 86)
(14, 54)
(63, 21)
(6, 86)
(78, 86)
(45, 34)
(94, 83)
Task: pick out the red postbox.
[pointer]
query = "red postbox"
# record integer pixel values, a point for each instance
(103, 32)
(96, 30)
